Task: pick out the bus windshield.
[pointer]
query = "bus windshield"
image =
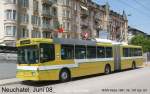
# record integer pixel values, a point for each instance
(28, 55)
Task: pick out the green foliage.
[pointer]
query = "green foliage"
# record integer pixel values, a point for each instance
(143, 41)
(56, 25)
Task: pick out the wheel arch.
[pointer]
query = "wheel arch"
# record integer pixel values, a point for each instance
(65, 68)
(108, 65)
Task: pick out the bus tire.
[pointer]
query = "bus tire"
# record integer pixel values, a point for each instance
(64, 75)
(133, 65)
(107, 69)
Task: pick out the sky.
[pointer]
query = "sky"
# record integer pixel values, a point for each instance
(138, 12)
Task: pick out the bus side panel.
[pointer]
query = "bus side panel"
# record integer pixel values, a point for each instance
(139, 62)
(27, 75)
(49, 74)
(57, 52)
(130, 57)
(126, 63)
(38, 75)
(89, 68)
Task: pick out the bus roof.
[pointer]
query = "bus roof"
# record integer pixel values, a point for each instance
(131, 46)
(55, 40)
(74, 41)
(29, 41)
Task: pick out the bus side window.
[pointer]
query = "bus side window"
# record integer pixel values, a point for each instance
(139, 51)
(125, 52)
(135, 52)
(47, 52)
(91, 52)
(130, 52)
(100, 52)
(80, 52)
(108, 52)
(67, 51)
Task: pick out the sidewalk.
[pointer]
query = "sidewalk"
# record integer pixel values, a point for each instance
(147, 65)
(9, 81)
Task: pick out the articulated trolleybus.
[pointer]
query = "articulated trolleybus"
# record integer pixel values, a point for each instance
(61, 59)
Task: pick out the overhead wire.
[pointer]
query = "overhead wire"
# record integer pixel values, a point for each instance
(142, 5)
(139, 11)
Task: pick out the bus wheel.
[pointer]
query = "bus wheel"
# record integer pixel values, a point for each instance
(64, 75)
(107, 69)
(133, 65)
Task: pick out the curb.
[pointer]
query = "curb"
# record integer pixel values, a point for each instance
(9, 81)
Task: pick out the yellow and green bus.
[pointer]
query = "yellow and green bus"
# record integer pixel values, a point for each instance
(62, 59)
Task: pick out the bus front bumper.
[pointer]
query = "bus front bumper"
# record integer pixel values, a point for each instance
(37, 75)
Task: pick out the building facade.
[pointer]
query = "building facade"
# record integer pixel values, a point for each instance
(8, 22)
(82, 19)
(133, 32)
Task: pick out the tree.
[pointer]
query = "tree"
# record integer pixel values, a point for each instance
(143, 41)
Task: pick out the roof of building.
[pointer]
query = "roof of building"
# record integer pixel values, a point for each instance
(135, 30)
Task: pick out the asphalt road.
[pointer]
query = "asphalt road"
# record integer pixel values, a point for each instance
(7, 69)
(126, 82)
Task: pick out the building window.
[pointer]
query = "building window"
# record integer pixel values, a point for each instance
(66, 2)
(24, 18)
(11, 14)
(14, 14)
(46, 34)
(67, 13)
(46, 24)
(35, 5)
(24, 3)
(54, 11)
(8, 30)
(36, 20)
(36, 34)
(11, 30)
(46, 10)
(8, 14)
(66, 26)
(24, 33)
(75, 5)
(11, 1)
